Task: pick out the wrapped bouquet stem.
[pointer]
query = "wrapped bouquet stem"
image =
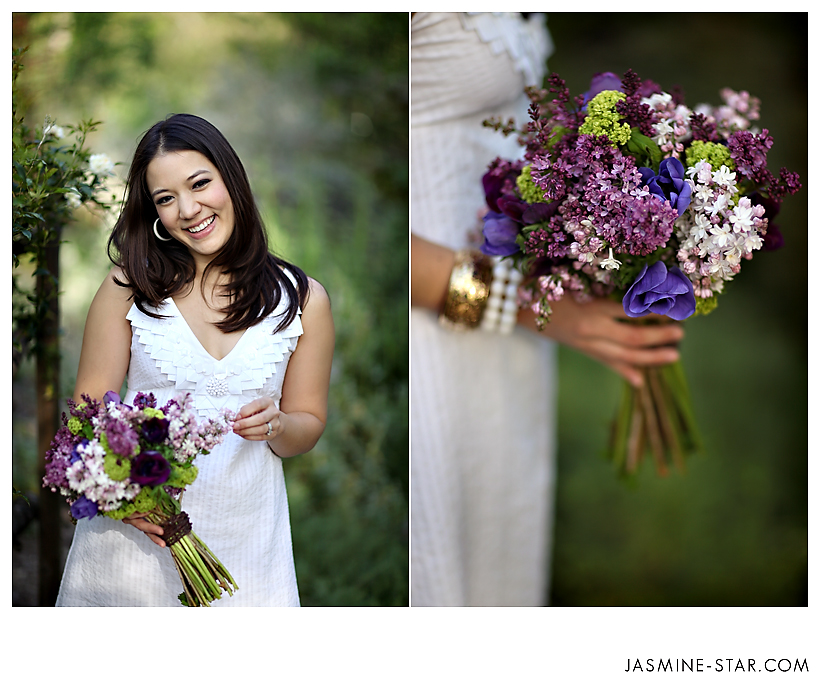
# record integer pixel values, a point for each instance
(626, 192)
(656, 417)
(204, 578)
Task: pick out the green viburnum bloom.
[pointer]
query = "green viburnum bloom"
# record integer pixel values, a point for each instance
(181, 477)
(153, 412)
(705, 306)
(122, 512)
(146, 500)
(75, 425)
(530, 192)
(603, 118)
(117, 467)
(717, 155)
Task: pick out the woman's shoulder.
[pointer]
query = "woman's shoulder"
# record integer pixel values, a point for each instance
(116, 275)
(317, 307)
(317, 318)
(115, 287)
(107, 319)
(317, 290)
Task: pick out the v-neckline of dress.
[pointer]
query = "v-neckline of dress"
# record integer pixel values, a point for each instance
(199, 343)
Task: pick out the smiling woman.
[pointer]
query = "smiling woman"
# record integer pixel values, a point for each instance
(205, 310)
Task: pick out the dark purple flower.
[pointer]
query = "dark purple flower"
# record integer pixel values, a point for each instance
(669, 183)
(500, 232)
(155, 429)
(149, 469)
(660, 291)
(492, 189)
(773, 239)
(500, 180)
(528, 214)
(538, 213)
(511, 206)
(83, 508)
(111, 396)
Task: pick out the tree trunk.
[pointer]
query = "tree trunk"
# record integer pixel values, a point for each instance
(48, 420)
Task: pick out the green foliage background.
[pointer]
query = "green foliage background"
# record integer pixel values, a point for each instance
(316, 106)
(732, 531)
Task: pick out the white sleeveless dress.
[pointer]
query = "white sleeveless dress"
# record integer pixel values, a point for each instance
(237, 505)
(483, 406)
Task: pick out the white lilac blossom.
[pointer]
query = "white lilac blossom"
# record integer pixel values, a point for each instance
(610, 262)
(716, 232)
(87, 477)
(672, 126)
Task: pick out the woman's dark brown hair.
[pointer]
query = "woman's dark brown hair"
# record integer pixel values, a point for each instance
(157, 270)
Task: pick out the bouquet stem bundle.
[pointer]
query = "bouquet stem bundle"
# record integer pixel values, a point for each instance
(656, 417)
(203, 576)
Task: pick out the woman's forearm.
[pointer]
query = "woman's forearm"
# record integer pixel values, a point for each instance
(298, 434)
(431, 266)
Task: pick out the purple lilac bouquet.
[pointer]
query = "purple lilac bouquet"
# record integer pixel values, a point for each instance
(115, 460)
(626, 192)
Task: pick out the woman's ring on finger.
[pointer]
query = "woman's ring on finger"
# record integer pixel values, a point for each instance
(270, 430)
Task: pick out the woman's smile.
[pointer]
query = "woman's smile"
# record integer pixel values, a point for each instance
(199, 228)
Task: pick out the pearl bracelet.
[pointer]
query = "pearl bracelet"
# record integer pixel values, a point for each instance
(483, 293)
(501, 312)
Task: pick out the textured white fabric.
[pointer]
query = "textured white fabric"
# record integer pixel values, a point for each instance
(482, 407)
(238, 503)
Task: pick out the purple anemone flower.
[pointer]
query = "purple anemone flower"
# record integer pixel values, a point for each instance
(111, 396)
(500, 232)
(83, 508)
(75, 454)
(149, 469)
(661, 291)
(669, 183)
(601, 82)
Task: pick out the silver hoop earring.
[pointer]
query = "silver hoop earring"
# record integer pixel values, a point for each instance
(159, 237)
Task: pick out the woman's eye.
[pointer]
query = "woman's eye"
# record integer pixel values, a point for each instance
(201, 183)
(164, 200)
